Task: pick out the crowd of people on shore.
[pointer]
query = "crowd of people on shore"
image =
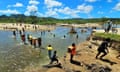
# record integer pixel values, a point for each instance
(110, 27)
(26, 27)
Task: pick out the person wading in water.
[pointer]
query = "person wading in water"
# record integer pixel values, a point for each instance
(14, 33)
(39, 42)
(49, 48)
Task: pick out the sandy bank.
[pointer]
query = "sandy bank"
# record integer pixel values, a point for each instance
(102, 31)
(82, 25)
(85, 56)
(27, 27)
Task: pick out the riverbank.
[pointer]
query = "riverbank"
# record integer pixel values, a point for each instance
(86, 56)
(86, 25)
(27, 27)
(32, 27)
(84, 60)
(102, 31)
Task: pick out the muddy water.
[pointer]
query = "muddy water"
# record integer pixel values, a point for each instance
(15, 56)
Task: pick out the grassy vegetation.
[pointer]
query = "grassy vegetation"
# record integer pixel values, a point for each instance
(108, 35)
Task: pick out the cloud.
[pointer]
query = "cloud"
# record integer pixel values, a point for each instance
(85, 8)
(33, 2)
(52, 3)
(56, 9)
(117, 7)
(27, 13)
(90, 0)
(68, 11)
(65, 10)
(32, 8)
(50, 6)
(18, 4)
(8, 11)
(51, 12)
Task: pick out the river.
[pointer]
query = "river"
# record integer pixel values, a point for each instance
(15, 56)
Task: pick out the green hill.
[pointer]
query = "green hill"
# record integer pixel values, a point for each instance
(18, 18)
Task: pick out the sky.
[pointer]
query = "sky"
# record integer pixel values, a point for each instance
(62, 8)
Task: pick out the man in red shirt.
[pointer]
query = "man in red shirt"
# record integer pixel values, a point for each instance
(73, 52)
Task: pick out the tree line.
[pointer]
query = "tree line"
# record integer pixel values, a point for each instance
(21, 18)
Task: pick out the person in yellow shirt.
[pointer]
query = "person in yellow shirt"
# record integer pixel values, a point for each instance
(49, 48)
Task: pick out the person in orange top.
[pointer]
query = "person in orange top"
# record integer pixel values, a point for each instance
(73, 52)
